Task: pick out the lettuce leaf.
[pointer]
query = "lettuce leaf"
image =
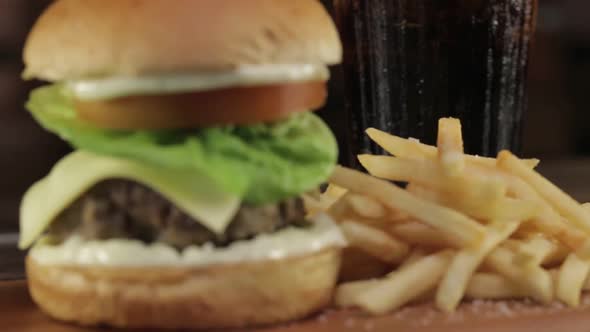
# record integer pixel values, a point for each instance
(262, 163)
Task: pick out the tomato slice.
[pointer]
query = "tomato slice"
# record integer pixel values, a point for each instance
(240, 106)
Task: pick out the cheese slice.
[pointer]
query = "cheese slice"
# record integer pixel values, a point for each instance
(243, 76)
(72, 176)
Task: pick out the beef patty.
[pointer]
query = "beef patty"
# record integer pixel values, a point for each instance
(127, 209)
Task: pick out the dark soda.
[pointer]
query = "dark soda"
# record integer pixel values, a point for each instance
(409, 62)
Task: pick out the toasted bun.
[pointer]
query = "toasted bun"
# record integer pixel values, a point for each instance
(214, 297)
(77, 39)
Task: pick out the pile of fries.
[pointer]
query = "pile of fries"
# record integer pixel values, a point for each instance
(464, 227)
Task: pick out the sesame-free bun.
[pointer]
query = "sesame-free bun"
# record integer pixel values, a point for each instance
(231, 295)
(76, 39)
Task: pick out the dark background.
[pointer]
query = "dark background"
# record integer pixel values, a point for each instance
(557, 123)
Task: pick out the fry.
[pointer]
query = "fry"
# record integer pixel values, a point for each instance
(419, 234)
(313, 205)
(430, 175)
(463, 230)
(379, 224)
(450, 146)
(415, 255)
(367, 209)
(316, 202)
(405, 285)
(487, 206)
(365, 206)
(340, 209)
(404, 148)
(374, 242)
(424, 192)
(463, 265)
(570, 281)
(583, 250)
(561, 201)
(401, 147)
(587, 284)
(347, 293)
(547, 219)
(493, 287)
(335, 192)
(566, 234)
(397, 216)
(502, 209)
(536, 281)
(537, 251)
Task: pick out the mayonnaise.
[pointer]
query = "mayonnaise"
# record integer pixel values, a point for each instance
(121, 252)
(251, 75)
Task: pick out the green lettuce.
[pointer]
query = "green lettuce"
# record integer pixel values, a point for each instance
(262, 163)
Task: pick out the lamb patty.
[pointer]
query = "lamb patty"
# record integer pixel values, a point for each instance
(127, 209)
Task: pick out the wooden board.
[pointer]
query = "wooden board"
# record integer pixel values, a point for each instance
(18, 313)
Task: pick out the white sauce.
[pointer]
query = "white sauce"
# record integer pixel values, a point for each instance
(118, 252)
(252, 75)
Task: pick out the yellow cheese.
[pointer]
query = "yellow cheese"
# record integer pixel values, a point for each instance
(191, 192)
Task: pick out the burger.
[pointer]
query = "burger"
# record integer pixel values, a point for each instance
(180, 206)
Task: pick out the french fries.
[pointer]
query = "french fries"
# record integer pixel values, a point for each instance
(561, 201)
(334, 192)
(538, 250)
(453, 285)
(422, 235)
(316, 202)
(412, 149)
(490, 286)
(480, 205)
(463, 227)
(534, 280)
(547, 219)
(366, 207)
(405, 285)
(450, 146)
(572, 275)
(348, 292)
(374, 242)
(415, 255)
(463, 230)
(430, 175)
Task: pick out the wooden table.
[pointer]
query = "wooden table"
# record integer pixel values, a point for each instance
(18, 312)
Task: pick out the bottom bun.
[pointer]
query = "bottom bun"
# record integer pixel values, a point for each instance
(223, 296)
